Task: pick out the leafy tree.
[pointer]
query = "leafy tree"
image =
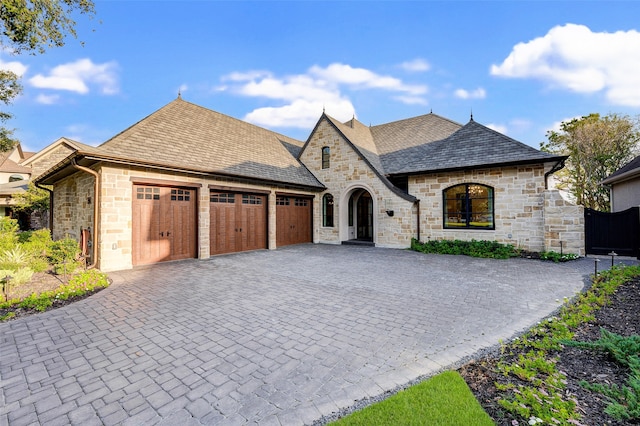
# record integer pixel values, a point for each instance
(35, 25)
(32, 26)
(33, 199)
(597, 146)
(9, 89)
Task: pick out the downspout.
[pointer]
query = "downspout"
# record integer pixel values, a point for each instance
(50, 205)
(557, 167)
(418, 215)
(96, 203)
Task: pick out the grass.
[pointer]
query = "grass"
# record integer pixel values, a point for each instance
(444, 399)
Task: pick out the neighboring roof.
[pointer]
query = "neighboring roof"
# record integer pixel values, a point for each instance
(14, 187)
(471, 146)
(7, 165)
(628, 171)
(185, 136)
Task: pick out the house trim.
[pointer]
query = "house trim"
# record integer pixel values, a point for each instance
(163, 182)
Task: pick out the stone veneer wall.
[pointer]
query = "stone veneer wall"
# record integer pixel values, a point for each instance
(347, 173)
(518, 204)
(71, 212)
(73, 200)
(563, 222)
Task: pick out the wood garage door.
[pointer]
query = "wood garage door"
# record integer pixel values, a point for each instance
(293, 220)
(163, 224)
(238, 222)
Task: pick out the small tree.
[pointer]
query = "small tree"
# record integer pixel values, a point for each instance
(597, 146)
(34, 199)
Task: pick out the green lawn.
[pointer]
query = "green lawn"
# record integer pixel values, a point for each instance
(442, 400)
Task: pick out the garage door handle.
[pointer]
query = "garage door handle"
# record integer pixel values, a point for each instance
(162, 234)
(168, 233)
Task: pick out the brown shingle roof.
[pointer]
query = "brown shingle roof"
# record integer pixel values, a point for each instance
(190, 137)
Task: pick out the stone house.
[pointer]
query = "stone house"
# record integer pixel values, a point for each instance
(188, 182)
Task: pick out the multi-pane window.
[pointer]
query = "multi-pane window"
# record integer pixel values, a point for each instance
(147, 193)
(180, 195)
(282, 201)
(222, 197)
(468, 205)
(326, 152)
(251, 199)
(327, 210)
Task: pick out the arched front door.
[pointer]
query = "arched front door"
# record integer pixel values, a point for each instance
(365, 217)
(360, 224)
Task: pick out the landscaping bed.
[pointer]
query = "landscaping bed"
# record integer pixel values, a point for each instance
(621, 316)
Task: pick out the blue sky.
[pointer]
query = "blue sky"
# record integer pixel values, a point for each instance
(520, 67)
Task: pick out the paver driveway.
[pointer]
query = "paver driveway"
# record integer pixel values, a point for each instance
(269, 337)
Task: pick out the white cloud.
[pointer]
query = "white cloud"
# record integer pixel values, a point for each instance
(478, 93)
(18, 68)
(411, 100)
(78, 76)
(416, 65)
(47, 99)
(363, 78)
(304, 96)
(498, 127)
(575, 58)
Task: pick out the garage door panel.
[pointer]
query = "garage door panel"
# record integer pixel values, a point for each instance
(163, 224)
(238, 222)
(293, 217)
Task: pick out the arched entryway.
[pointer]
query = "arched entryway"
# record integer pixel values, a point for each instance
(360, 218)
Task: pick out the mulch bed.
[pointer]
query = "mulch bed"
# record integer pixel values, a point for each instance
(621, 316)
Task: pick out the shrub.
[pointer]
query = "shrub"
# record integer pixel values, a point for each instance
(474, 248)
(38, 242)
(63, 254)
(557, 257)
(15, 256)
(8, 233)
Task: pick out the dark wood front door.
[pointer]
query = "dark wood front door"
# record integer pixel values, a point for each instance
(365, 217)
(163, 224)
(293, 220)
(238, 222)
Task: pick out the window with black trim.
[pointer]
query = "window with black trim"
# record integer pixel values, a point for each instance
(326, 153)
(469, 205)
(327, 210)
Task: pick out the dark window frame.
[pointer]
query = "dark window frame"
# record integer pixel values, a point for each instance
(465, 217)
(326, 157)
(327, 211)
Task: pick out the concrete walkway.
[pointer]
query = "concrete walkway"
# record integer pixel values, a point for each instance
(270, 337)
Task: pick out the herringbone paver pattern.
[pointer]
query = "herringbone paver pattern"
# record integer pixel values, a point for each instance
(270, 337)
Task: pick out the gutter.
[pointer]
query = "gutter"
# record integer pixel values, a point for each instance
(557, 167)
(96, 203)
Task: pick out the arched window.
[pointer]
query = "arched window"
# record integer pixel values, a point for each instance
(327, 210)
(15, 178)
(326, 151)
(469, 205)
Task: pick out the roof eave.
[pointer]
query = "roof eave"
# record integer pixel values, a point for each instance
(482, 166)
(622, 177)
(57, 172)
